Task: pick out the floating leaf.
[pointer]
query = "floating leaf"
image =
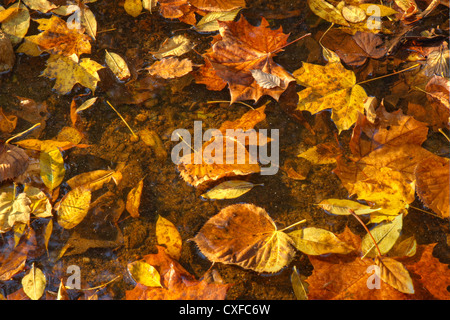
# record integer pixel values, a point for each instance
(210, 22)
(89, 22)
(353, 14)
(34, 283)
(266, 80)
(87, 104)
(327, 12)
(245, 235)
(169, 68)
(217, 5)
(93, 180)
(229, 190)
(17, 23)
(144, 273)
(175, 46)
(73, 207)
(133, 7)
(316, 241)
(52, 166)
(385, 235)
(343, 207)
(43, 6)
(134, 199)
(168, 236)
(298, 285)
(117, 65)
(395, 274)
(13, 161)
(13, 209)
(40, 205)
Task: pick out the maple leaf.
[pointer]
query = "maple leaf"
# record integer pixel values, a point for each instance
(331, 86)
(241, 48)
(58, 38)
(245, 235)
(68, 73)
(177, 283)
(207, 171)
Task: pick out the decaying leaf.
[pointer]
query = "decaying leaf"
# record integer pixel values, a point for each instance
(68, 73)
(168, 236)
(13, 208)
(316, 241)
(134, 199)
(395, 274)
(217, 5)
(144, 273)
(331, 86)
(73, 207)
(171, 67)
(229, 190)
(13, 161)
(94, 180)
(177, 283)
(245, 235)
(34, 283)
(40, 204)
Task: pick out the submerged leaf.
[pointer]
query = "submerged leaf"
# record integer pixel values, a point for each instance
(144, 273)
(34, 283)
(395, 274)
(245, 235)
(134, 199)
(168, 236)
(385, 235)
(229, 190)
(344, 207)
(175, 46)
(117, 65)
(52, 166)
(73, 207)
(13, 209)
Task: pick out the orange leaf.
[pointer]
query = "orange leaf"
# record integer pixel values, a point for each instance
(169, 68)
(218, 5)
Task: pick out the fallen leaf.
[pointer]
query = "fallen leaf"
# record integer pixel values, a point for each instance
(218, 5)
(327, 12)
(207, 75)
(323, 153)
(385, 235)
(7, 56)
(168, 236)
(177, 283)
(52, 166)
(317, 241)
(245, 235)
(17, 23)
(432, 184)
(34, 283)
(40, 204)
(73, 207)
(228, 190)
(330, 86)
(43, 6)
(68, 73)
(169, 68)
(395, 274)
(13, 161)
(298, 285)
(144, 273)
(345, 207)
(210, 22)
(7, 122)
(94, 180)
(117, 65)
(178, 9)
(175, 46)
(241, 48)
(134, 199)
(133, 7)
(13, 208)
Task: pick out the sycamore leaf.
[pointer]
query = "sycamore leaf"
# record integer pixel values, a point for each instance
(168, 236)
(210, 22)
(13, 208)
(395, 274)
(343, 207)
(175, 46)
(331, 86)
(243, 47)
(52, 166)
(229, 190)
(117, 65)
(245, 235)
(134, 199)
(316, 241)
(68, 73)
(73, 207)
(324, 153)
(144, 273)
(385, 235)
(34, 283)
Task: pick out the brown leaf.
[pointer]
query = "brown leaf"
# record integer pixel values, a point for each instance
(177, 283)
(207, 75)
(169, 68)
(217, 5)
(432, 182)
(7, 122)
(13, 161)
(242, 48)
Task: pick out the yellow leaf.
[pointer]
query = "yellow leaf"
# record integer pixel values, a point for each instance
(73, 208)
(133, 7)
(117, 65)
(395, 274)
(40, 205)
(168, 235)
(229, 190)
(52, 166)
(343, 207)
(331, 86)
(144, 273)
(175, 46)
(385, 235)
(34, 283)
(134, 199)
(327, 12)
(68, 73)
(92, 180)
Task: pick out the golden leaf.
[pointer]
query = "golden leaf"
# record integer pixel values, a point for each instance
(73, 207)
(52, 166)
(93, 180)
(144, 273)
(117, 65)
(133, 7)
(395, 274)
(168, 236)
(228, 190)
(34, 283)
(171, 67)
(134, 199)
(175, 46)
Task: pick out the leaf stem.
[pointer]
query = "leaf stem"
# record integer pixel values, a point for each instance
(294, 224)
(443, 133)
(219, 101)
(287, 44)
(22, 133)
(388, 75)
(365, 227)
(122, 118)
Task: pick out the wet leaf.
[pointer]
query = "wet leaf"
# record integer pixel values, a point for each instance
(89, 22)
(168, 236)
(229, 190)
(134, 199)
(169, 68)
(86, 105)
(210, 22)
(13, 208)
(40, 204)
(43, 6)
(68, 73)
(117, 65)
(93, 180)
(217, 5)
(245, 235)
(316, 241)
(175, 46)
(331, 86)
(385, 235)
(52, 166)
(13, 161)
(343, 207)
(17, 22)
(73, 207)
(324, 153)
(265, 80)
(133, 7)
(353, 14)
(144, 273)
(395, 274)
(34, 283)
(327, 12)
(298, 285)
